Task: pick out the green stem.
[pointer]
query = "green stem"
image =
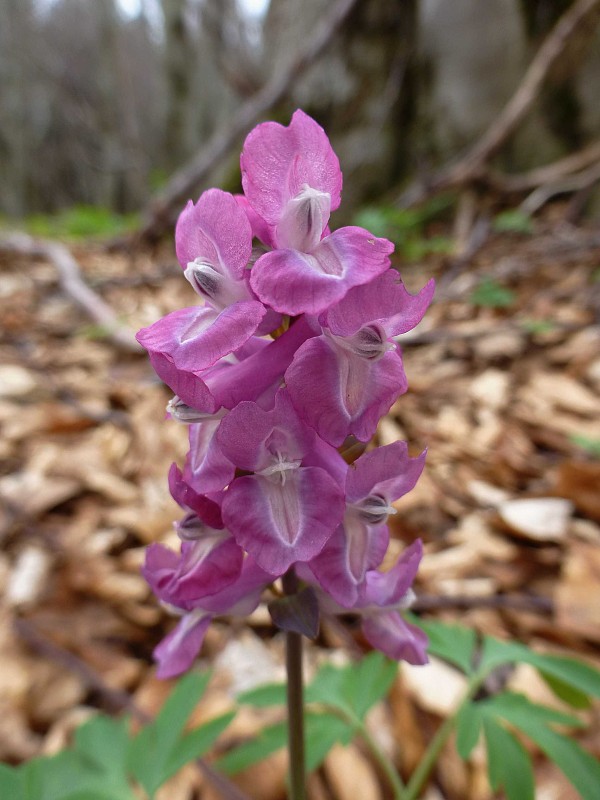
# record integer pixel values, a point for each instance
(426, 764)
(358, 727)
(295, 701)
(384, 763)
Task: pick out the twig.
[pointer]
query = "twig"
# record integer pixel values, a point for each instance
(471, 167)
(574, 183)
(524, 602)
(72, 283)
(527, 181)
(116, 699)
(159, 215)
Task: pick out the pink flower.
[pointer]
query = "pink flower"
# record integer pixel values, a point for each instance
(291, 503)
(358, 546)
(292, 181)
(345, 380)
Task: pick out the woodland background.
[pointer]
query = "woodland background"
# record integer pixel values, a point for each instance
(469, 133)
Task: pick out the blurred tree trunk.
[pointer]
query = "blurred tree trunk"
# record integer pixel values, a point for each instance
(180, 69)
(112, 156)
(560, 103)
(15, 39)
(363, 90)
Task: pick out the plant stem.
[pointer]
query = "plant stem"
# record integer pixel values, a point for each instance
(426, 764)
(384, 763)
(295, 701)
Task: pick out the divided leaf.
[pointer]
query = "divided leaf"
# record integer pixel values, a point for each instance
(453, 643)
(153, 755)
(533, 720)
(468, 727)
(509, 765)
(245, 755)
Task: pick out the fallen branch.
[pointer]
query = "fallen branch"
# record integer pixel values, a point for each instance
(572, 183)
(525, 602)
(563, 168)
(159, 216)
(72, 283)
(472, 166)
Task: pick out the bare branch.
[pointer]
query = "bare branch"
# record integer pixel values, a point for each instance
(159, 216)
(471, 167)
(72, 283)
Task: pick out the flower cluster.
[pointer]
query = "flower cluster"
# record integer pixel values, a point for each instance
(289, 361)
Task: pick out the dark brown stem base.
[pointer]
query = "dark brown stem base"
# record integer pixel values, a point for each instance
(295, 702)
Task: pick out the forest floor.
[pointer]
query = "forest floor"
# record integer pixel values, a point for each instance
(504, 378)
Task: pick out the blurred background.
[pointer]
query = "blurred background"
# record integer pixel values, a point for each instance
(102, 101)
(468, 133)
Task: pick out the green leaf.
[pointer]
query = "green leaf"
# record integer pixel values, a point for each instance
(355, 688)
(513, 221)
(568, 672)
(328, 686)
(69, 773)
(517, 709)
(580, 767)
(490, 294)
(176, 711)
(468, 727)
(193, 745)
(153, 748)
(104, 741)
(453, 643)
(245, 755)
(565, 691)
(369, 681)
(537, 326)
(322, 732)
(271, 694)
(11, 782)
(509, 765)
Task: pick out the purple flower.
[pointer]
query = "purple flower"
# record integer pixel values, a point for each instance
(373, 483)
(177, 651)
(381, 598)
(263, 487)
(355, 367)
(292, 181)
(213, 240)
(291, 503)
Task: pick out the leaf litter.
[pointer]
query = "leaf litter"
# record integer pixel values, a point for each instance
(506, 397)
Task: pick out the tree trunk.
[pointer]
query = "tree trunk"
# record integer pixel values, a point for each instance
(362, 90)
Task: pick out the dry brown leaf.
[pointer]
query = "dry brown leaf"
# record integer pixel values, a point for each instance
(437, 687)
(350, 774)
(541, 519)
(579, 481)
(576, 597)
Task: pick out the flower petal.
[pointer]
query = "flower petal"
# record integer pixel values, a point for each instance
(354, 548)
(187, 386)
(215, 231)
(384, 300)
(277, 162)
(206, 467)
(395, 637)
(387, 589)
(388, 471)
(183, 494)
(281, 522)
(177, 651)
(338, 393)
(308, 283)
(195, 338)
